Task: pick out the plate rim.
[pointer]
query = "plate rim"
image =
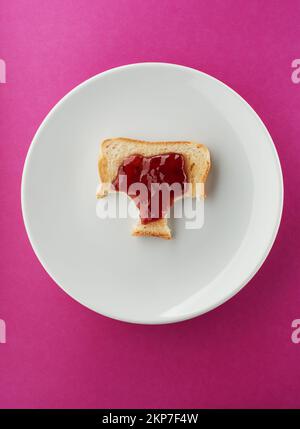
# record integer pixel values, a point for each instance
(251, 110)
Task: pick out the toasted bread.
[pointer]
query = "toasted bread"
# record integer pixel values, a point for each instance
(114, 151)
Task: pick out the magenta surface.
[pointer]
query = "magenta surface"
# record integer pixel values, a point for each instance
(60, 354)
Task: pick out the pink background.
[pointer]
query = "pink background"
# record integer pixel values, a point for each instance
(60, 354)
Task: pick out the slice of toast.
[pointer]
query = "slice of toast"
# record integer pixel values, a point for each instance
(114, 151)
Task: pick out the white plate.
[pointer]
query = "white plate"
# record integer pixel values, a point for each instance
(142, 280)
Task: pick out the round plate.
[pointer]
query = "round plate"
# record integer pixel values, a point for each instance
(147, 280)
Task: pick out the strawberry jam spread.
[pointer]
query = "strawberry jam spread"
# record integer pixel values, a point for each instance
(153, 183)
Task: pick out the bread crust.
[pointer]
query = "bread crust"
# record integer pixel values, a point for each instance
(158, 228)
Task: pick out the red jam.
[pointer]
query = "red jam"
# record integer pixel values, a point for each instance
(147, 180)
